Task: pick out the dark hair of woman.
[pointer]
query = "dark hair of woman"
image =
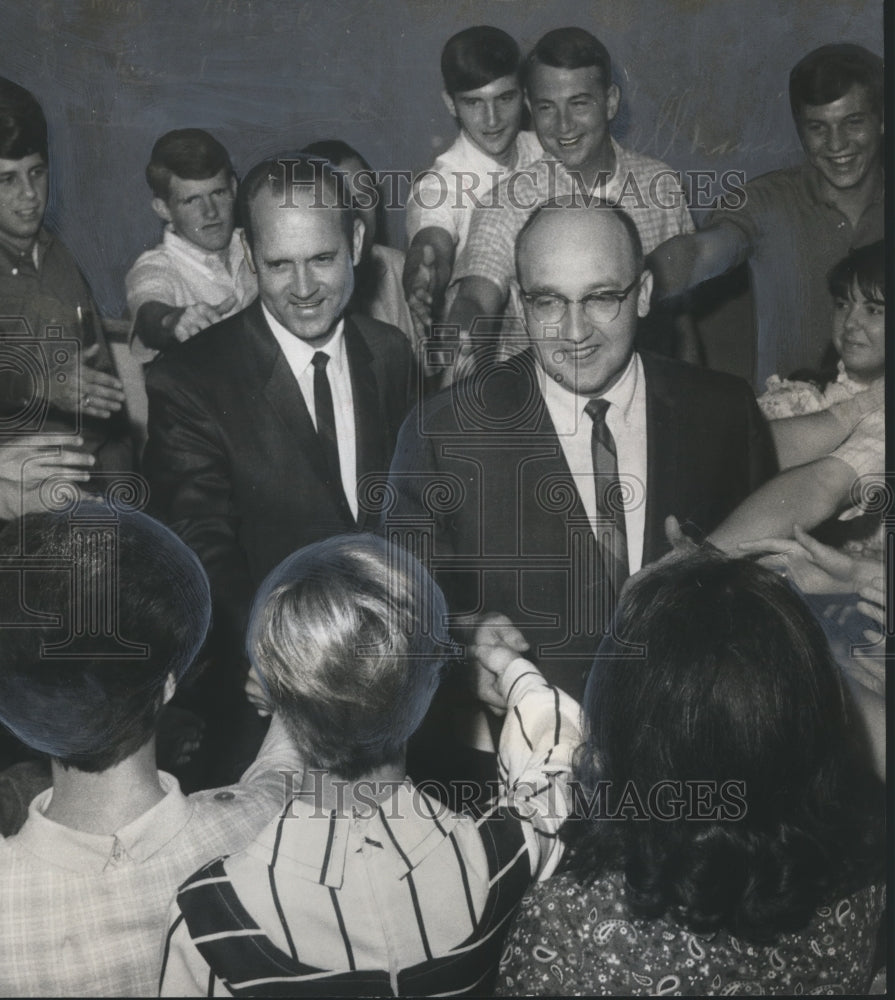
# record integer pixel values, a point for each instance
(735, 684)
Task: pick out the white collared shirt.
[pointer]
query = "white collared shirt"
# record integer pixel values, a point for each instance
(626, 418)
(299, 355)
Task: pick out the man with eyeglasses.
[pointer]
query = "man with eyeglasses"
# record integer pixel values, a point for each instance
(537, 486)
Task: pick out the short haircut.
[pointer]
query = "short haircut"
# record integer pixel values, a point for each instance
(477, 56)
(865, 267)
(569, 48)
(23, 127)
(348, 638)
(189, 153)
(97, 704)
(828, 73)
(736, 683)
(280, 177)
(568, 203)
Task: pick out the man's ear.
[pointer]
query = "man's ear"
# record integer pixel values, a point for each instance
(357, 242)
(247, 251)
(169, 688)
(449, 103)
(233, 185)
(160, 207)
(613, 99)
(644, 293)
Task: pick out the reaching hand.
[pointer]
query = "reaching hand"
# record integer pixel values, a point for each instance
(27, 461)
(496, 643)
(419, 298)
(200, 315)
(89, 391)
(814, 567)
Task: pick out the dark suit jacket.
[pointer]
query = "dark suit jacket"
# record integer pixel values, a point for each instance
(233, 461)
(481, 483)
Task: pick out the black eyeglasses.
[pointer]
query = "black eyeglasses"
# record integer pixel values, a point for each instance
(599, 307)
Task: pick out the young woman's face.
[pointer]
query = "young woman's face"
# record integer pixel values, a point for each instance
(859, 334)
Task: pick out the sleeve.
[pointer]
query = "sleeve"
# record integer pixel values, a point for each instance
(490, 246)
(540, 734)
(151, 279)
(185, 973)
(189, 473)
(431, 205)
(865, 448)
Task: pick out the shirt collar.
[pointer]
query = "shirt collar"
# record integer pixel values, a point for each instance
(567, 407)
(37, 252)
(312, 844)
(178, 245)
(93, 853)
(299, 352)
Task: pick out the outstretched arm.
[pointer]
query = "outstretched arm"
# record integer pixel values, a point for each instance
(685, 261)
(806, 495)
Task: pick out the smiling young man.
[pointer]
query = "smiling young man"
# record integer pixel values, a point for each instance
(198, 274)
(262, 427)
(42, 290)
(569, 87)
(796, 223)
(483, 93)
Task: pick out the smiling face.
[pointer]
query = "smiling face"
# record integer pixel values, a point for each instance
(859, 334)
(574, 252)
(842, 140)
(490, 115)
(304, 262)
(571, 110)
(201, 211)
(24, 185)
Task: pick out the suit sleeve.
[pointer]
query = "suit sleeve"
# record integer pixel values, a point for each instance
(189, 472)
(761, 455)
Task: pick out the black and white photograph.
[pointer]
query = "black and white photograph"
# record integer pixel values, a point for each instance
(446, 530)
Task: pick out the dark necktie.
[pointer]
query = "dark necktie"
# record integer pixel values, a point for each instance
(611, 532)
(326, 420)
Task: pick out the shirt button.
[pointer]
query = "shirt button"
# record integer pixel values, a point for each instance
(15, 270)
(225, 796)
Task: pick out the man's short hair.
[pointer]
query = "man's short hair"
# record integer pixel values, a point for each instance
(567, 204)
(348, 637)
(569, 48)
(828, 73)
(96, 704)
(23, 127)
(477, 56)
(281, 177)
(189, 153)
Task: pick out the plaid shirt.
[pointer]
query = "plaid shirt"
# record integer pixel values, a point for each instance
(83, 914)
(394, 898)
(647, 189)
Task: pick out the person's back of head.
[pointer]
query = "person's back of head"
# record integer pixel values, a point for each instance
(188, 153)
(735, 732)
(477, 56)
(23, 127)
(828, 73)
(348, 638)
(569, 48)
(100, 605)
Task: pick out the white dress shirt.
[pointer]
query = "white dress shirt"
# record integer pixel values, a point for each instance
(626, 418)
(299, 354)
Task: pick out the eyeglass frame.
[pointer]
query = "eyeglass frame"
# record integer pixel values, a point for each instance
(617, 296)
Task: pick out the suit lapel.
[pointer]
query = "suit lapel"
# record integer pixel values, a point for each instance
(663, 459)
(284, 397)
(369, 426)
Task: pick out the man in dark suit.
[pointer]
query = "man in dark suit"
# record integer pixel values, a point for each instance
(263, 427)
(511, 482)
